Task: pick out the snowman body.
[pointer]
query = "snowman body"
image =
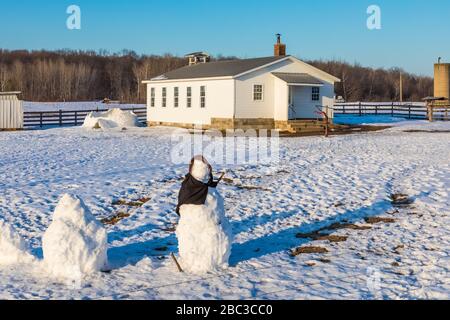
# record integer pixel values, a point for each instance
(204, 234)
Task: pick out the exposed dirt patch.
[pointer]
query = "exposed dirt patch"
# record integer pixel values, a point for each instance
(427, 131)
(115, 219)
(351, 226)
(138, 203)
(317, 236)
(375, 220)
(249, 187)
(332, 238)
(400, 200)
(243, 186)
(308, 250)
(398, 249)
(228, 180)
(311, 235)
(325, 260)
(144, 200)
(171, 228)
(340, 130)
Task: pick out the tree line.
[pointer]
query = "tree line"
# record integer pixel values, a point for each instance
(67, 75)
(360, 83)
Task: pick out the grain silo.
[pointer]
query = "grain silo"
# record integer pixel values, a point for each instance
(11, 111)
(442, 80)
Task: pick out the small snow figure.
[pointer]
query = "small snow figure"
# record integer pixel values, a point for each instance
(13, 249)
(204, 234)
(75, 242)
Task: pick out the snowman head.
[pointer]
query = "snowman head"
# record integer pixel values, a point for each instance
(200, 169)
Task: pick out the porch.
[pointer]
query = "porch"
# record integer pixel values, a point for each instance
(305, 97)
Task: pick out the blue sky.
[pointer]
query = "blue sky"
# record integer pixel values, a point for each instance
(321, 29)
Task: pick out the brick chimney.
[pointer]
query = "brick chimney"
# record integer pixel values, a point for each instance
(280, 49)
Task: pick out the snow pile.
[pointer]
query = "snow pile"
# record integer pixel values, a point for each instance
(13, 248)
(114, 118)
(204, 234)
(75, 243)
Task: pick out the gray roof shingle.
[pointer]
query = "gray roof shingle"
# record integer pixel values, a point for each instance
(297, 78)
(217, 69)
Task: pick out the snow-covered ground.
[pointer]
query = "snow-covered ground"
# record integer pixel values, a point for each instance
(369, 119)
(387, 121)
(317, 183)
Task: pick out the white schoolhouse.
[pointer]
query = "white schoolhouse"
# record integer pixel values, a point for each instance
(270, 92)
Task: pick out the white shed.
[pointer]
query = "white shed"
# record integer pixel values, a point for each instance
(11, 111)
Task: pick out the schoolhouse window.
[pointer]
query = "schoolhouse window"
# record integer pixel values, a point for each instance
(258, 92)
(164, 97)
(152, 97)
(202, 97)
(315, 94)
(176, 100)
(189, 97)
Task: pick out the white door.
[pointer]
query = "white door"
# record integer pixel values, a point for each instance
(303, 106)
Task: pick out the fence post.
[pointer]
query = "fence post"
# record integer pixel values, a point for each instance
(60, 117)
(76, 118)
(360, 111)
(409, 112)
(376, 109)
(40, 118)
(392, 109)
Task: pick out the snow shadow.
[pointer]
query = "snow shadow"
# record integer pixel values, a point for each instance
(131, 254)
(248, 223)
(124, 234)
(286, 239)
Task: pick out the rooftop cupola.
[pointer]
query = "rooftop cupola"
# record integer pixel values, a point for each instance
(198, 57)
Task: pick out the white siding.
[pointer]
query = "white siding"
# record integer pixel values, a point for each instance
(11, 113)
(245, 106)
(281, 98)
(275, 103)
(219, 102)
(304, 106)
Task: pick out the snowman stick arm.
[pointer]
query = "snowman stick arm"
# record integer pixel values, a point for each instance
(221, 176)
(176, 262)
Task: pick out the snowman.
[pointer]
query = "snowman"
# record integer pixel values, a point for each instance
(204, 234)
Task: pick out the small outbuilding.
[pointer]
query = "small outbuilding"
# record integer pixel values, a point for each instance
(11, 111)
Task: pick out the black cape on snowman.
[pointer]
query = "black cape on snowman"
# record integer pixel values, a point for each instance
(204, 234)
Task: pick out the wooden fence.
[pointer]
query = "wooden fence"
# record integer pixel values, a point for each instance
(69, 117)
(409, 111)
